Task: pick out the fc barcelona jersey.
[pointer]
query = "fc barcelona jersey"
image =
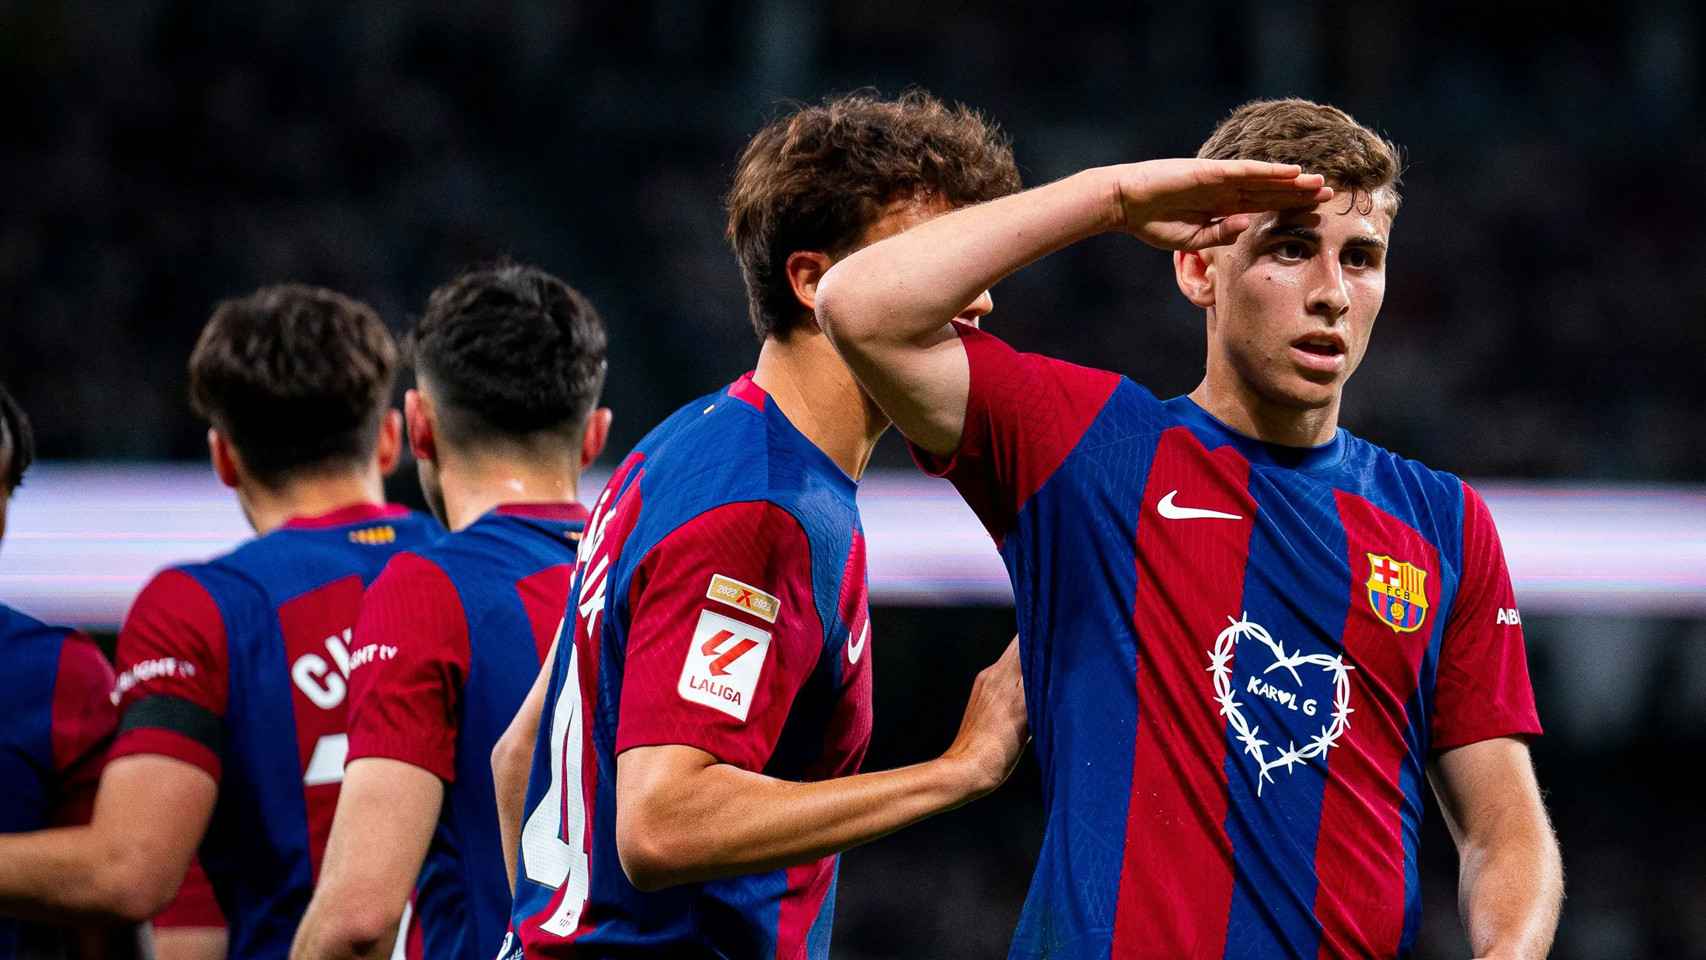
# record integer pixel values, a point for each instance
(239, 666)
(1238, 658)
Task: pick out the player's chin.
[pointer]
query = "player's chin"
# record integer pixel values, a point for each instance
(1305, 389)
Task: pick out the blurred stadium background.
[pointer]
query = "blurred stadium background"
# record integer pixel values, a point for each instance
(1544, 330)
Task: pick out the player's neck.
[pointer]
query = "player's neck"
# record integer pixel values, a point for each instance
(1234, 403)
(817, 393)
(473, 486)
(309, 496)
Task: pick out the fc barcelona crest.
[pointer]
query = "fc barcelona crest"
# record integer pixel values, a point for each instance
(1397, 591)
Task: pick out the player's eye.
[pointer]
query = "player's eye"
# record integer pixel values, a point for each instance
(1358, 257)
(1292, 250)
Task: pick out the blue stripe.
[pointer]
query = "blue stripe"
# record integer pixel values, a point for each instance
(1297, 541)
(1075, 582)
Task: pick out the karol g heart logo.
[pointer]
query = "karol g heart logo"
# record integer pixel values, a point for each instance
(1220, 665)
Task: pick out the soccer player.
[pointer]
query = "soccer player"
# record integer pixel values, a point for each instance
(1248, 635)
(509, 363)
(55, 729)
(709, 703)
(232, 673)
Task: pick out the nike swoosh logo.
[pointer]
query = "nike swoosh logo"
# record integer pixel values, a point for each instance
(856, 648)
(1167, 508)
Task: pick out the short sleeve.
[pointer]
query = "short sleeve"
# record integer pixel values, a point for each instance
(408, 666)
(722, 632)
(84, 720)
(1024, 414)
(1483, 690)
(171, 686)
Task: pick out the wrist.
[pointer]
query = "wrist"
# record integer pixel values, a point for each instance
(1108, 184)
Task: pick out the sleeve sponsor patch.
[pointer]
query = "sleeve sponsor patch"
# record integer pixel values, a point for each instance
(723, 664)
(744, 596)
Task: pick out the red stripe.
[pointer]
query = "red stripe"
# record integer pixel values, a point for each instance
(1176, 883)
(746, 390)
(808, 884)
(165, 743)
(1359, 856)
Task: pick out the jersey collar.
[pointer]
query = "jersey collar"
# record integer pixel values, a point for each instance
(559, 511)
(1214, 433)
(354, 513)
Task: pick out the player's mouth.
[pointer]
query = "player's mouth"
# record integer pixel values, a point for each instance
(1320, 352)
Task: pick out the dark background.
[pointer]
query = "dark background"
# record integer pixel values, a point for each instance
(1544, 316)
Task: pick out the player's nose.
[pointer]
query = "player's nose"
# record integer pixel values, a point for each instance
(1329, 297)
(978, 309)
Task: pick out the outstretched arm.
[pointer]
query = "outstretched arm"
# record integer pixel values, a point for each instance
(887, 307)
(666, 794)
(1510, 877)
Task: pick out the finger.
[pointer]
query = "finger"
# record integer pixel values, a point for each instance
(1259, 170)
(1221, 232)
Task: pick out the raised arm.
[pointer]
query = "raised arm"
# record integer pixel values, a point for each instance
(1510, 876)
(887, 306)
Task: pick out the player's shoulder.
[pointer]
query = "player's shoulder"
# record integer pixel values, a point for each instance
(1430, 499)
(303, 555)
(19, 631)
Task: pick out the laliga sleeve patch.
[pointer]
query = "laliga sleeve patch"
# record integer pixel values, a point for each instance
(743, 596)
(723, 664)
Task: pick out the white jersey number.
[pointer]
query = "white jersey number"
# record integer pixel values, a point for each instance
(549, 858)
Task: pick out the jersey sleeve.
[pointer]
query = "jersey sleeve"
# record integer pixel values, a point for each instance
(171, 687)
(1024, 414)
(1483, 690)
(722, 632)
(84, 720)
(407, 668)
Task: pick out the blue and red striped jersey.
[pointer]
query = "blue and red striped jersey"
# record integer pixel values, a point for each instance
(54, 733)
(239, 666)
(1238, 659)
(720, 602)
(450, 639)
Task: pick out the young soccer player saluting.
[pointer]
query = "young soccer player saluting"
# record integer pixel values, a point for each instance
(231, 680)
(1249, 636)
(709, 703)
(509, 362)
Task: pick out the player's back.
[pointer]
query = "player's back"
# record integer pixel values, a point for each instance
(719, 603)
(450, 640)
(53, 737)
(239, 666)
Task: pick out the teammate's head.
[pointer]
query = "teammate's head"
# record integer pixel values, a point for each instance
(296, 382)
(17, 449)
(1292, 302)
(509, 362)
(822, 181)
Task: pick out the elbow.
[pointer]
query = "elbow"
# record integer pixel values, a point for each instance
(361, 929)
(838, 313)
(130, 892)
(652, 858)
(507, 756)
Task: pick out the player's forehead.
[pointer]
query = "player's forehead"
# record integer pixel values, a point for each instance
(902, 214)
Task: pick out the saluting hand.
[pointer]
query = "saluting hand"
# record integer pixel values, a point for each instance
(1193, 204)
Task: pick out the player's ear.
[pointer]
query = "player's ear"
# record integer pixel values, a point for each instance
(390, 447)
(1194, 271)
(805, 268)
(593, 437)
(418, 415)
(223, 457)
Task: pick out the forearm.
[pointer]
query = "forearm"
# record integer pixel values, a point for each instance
(71, 873)
(764, 823)
(906, 287)
(1510, 891)
(509, 780)
(334, 933)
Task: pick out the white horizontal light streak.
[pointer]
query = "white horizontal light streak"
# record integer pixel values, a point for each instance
(82, 539)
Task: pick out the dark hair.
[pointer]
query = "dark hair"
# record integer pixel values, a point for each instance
(296, 377)
(1320, 138)
(510, 351)
(818, 177)
(17, 441)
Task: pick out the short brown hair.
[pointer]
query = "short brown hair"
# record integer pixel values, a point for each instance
(1320, 138)
(297, 377)
(17, 442)
(818, 177)
(512, 351)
